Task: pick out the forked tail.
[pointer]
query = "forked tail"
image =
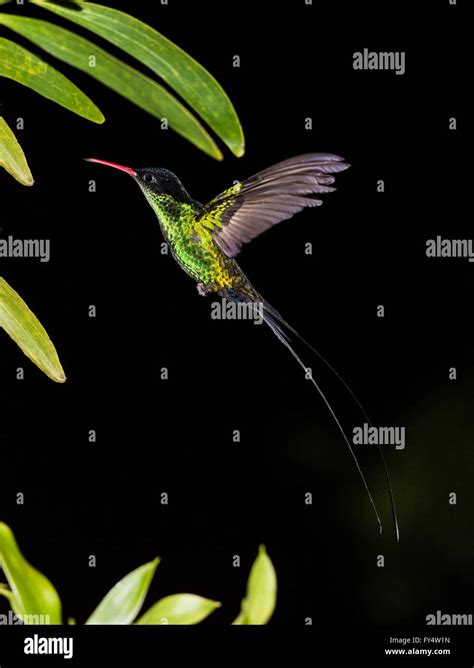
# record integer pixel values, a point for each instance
(282, 330)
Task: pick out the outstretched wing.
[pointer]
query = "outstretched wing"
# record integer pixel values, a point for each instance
(247, 209)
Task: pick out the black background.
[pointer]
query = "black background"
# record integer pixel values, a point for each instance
(175, 436)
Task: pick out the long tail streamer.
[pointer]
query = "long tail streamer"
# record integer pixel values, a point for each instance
(282, 330)
(276, 323)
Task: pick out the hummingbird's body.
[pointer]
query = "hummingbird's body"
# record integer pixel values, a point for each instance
(182, 223)
(205, 238)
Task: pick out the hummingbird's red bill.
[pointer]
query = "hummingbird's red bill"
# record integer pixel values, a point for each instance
(122, 168)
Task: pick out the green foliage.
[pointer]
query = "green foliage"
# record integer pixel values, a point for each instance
(12, 157)
(192, 82)
(30, 593)
(21, 324)
(259, 604)
(181, 72)
(123, 603)
(110, 71)
(179, 609)
(25, 68)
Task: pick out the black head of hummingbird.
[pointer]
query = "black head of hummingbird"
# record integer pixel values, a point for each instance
(154, 181)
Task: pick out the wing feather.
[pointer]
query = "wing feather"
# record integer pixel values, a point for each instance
(251, 207)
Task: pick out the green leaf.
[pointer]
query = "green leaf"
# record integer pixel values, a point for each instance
(179, 609)
(12, 157)
(27, 331)
(259, 603)
(124, 601)
(6, 592)
(32, 594)
(181, 72)
(123, 79)
(27, 69)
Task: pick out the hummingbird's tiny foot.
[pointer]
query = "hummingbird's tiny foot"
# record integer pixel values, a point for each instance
(205, 288)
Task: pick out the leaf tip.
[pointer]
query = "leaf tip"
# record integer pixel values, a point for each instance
(27, 181)
(99, 118)
(4, 528)
(56, 373)
(239, 150)
(216, 153)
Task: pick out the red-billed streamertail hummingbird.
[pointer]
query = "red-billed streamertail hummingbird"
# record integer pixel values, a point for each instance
(205, 239)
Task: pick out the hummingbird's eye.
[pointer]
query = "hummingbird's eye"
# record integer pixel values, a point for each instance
(148, 177)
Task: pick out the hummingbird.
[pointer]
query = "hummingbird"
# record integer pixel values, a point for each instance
(205, 239)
